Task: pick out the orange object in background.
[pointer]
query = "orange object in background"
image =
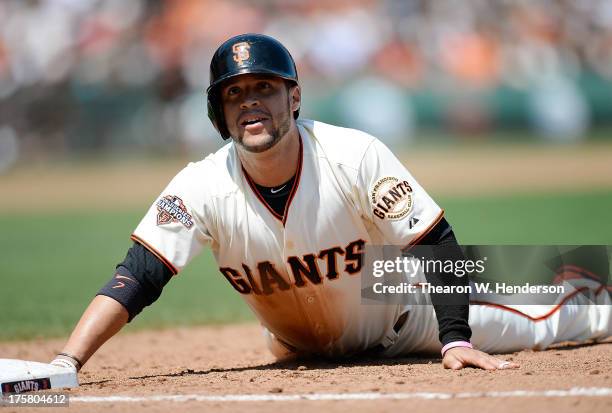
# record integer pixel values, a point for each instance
(401, 63)
(471, 57)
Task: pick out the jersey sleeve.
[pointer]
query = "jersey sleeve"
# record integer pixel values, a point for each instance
(175, 227)
(392, 199)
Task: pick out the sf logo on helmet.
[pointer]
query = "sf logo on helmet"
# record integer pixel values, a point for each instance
(241, 52)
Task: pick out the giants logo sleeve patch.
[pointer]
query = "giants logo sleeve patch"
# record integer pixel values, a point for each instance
(171, 208)
(391, 198)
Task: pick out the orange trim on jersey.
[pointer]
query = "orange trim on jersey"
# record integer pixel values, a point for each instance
(260, 197)
(534, 319)
(573, 272)
(296, 183)
(580, 270)
(424, 232)
(153, 251)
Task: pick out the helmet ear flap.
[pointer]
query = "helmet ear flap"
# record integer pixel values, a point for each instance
(216, 116)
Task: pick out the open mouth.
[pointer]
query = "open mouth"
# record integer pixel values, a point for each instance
(251, 120)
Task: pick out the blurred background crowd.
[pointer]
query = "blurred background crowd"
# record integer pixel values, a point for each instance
(120, 76)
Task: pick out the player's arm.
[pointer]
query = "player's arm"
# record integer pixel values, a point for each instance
(137, 283)
(102, 319)
(419, 220)
(452, 310)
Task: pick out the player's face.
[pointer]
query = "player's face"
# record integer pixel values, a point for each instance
(258, 110)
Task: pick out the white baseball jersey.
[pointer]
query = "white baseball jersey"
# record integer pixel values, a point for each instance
(300, 272)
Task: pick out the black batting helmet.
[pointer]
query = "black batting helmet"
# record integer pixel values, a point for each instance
(242, 54)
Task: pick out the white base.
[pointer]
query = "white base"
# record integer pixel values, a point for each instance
(12, 370)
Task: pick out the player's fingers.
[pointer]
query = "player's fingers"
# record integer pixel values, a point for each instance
(503, 364)
(483, 361)
(453, 364)
(478, 359)
(487, 364)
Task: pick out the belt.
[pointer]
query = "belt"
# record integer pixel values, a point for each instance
(401, 320)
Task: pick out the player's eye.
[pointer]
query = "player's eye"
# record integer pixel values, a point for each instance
(265, 85)
(233, 90)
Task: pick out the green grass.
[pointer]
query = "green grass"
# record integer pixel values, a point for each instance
(52, 265)
(572, 218)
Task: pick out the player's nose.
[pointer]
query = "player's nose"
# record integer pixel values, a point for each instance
(249, 102)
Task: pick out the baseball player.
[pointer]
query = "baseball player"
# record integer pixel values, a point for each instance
(288, 207)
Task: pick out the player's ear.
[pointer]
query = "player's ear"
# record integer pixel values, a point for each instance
(295, 97)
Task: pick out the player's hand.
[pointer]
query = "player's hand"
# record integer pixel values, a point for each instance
(460, 357)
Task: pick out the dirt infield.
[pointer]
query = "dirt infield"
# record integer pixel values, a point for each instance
(232, 361)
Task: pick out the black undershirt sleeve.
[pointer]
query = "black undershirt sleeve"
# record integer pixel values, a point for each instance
(452, 310)
(138, 280)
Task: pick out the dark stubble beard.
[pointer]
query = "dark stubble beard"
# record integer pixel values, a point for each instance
(284, 124)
